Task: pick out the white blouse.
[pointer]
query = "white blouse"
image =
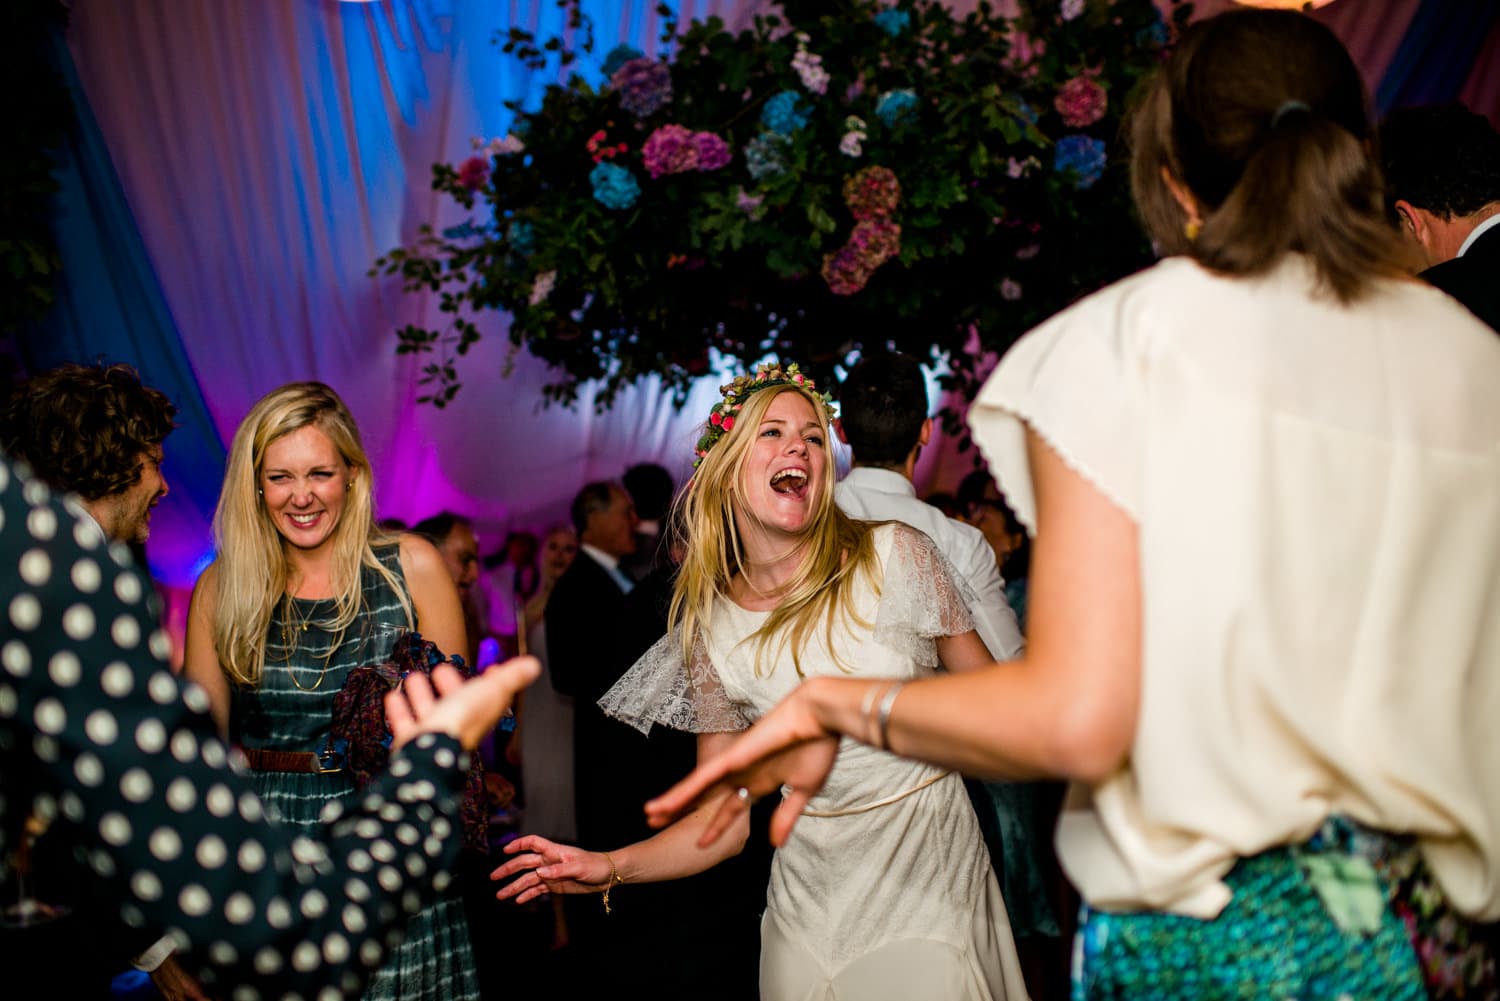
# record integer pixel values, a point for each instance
(1317, 493)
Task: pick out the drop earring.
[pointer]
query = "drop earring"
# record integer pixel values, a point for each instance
(1192, 228)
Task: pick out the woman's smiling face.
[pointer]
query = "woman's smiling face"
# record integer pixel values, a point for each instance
(304, 482)
(782, 476)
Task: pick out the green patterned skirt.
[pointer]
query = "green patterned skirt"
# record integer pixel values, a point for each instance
(1353, 915)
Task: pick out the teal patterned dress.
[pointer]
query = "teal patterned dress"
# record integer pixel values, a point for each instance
(292, 711)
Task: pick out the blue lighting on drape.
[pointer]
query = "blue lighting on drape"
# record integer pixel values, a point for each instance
(1437, 53)
(110, 308)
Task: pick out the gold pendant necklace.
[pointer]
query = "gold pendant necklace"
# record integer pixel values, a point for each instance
(291, 633)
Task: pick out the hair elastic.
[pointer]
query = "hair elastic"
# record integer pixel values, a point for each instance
(1287, 107)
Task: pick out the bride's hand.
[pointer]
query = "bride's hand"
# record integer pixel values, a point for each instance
(788, 748)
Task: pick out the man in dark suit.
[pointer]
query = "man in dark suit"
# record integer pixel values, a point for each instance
(586, 622)
(1442, 165)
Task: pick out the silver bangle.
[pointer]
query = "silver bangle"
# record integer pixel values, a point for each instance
(883, 715)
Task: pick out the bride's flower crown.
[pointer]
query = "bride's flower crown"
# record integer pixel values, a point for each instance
(722, 417)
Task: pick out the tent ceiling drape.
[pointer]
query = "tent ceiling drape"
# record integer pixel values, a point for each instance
(270, 151)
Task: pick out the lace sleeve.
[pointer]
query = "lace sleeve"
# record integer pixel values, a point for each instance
(660, 689)
(921, 598)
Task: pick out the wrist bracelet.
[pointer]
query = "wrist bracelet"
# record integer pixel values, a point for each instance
(883, 715)
(614, 877)
(867, 710)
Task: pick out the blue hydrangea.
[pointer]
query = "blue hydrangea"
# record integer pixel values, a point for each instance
(619, 56)
(1082, 156)
(1157, 36)
(892, 21)
(614, 186)
(521, 237)
(764, 156)
(895, 105)
(784, 113)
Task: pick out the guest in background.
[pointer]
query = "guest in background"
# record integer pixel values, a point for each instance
(95, 431)
(453, 535)
(305, 589)
(508, 582)
(179, 840)
(542, 743)
(1442, 167)
(543, 736)
(984, 508)
(586, 623)
(1263, 483)
(651, 489)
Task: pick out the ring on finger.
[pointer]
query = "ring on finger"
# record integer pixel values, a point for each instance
(743, 794)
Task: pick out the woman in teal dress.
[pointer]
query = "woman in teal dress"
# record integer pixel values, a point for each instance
(305, 588)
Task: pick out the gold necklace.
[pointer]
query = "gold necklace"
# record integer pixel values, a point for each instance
(289, 638)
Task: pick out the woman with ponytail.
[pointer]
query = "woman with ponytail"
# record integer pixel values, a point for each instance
(1263, 481)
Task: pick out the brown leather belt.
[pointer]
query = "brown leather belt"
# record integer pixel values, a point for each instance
(304, 762)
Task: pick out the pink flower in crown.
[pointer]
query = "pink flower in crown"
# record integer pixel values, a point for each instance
(473, 172)
(1081, 102)
(715, 418)
(729, 424)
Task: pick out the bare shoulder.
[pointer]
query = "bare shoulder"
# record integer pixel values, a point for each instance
(419, 557)
(206, 590)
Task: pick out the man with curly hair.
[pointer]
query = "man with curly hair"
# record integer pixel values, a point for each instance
(1442, 165)
(95, 431)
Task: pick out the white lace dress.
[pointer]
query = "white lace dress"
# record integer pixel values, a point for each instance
(884, 889)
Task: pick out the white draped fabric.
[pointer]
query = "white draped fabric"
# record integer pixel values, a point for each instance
(271, 150)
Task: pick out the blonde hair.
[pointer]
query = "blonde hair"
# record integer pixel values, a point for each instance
(252, 572)
(835, 548)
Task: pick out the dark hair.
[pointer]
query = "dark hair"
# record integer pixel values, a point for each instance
(650, 487)
(1261, 115)
(596, 496)
(882, 404)
(971, 489)
(1441, 157)
(438, 527)
(82, 428)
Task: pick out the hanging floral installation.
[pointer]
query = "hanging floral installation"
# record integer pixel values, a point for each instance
(843, 174)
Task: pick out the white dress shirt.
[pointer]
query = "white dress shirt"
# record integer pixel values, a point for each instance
(875, 494)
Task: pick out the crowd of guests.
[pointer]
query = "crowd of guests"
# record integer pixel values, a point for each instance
(1220, 614)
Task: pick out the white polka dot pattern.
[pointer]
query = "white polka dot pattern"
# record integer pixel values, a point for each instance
(111, 741)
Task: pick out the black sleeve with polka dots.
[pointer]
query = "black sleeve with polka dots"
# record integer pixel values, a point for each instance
(99, 736)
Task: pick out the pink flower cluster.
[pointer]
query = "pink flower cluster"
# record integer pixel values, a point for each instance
(473, 172)
(601, 150)
(872, 195)
(672, 149)
(1081, 102)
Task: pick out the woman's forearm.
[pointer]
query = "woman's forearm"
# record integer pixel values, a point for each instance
(999, 721)
(674, 853)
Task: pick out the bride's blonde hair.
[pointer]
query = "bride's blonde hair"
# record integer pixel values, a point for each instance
(252, 571)
(835, 548)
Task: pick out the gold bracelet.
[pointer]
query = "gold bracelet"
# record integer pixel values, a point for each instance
(614, 877)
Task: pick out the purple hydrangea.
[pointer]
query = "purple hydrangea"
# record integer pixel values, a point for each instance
(713, 152)
(644, 85)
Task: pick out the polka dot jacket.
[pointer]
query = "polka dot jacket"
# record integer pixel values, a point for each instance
(97, 735)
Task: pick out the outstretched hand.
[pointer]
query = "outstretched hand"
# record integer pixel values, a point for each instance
(541, 866)
(467, 710)
(787, 750)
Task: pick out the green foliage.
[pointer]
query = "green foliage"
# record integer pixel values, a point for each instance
(993, 239)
